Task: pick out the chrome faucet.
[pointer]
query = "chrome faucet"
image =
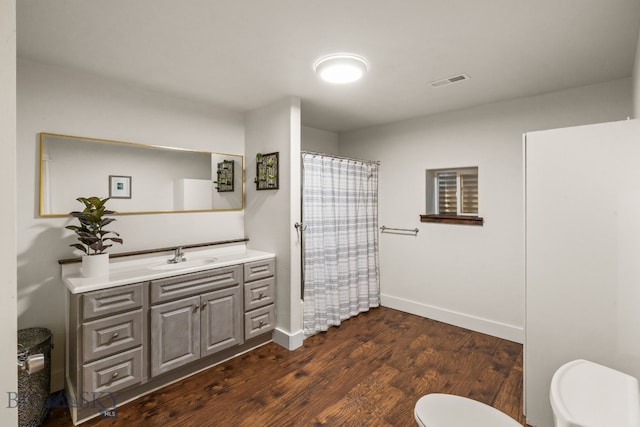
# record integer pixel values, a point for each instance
(178, 256)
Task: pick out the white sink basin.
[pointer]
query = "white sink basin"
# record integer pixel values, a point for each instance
(190, 263)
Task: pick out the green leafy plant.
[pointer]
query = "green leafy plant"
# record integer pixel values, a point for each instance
(91, 232)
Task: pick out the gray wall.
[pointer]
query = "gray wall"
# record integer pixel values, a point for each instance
(56, 100)
(270, 214)
(319, 140)
(466, 275)
(8, 382)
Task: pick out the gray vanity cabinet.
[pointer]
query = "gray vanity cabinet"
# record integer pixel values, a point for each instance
(184, 330)
(124, 341)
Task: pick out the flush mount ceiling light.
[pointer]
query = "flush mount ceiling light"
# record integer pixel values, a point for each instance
(341, 67)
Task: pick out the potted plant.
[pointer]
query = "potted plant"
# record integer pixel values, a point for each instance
(92, 235)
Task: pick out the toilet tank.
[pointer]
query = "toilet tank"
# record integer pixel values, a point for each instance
(586, 394)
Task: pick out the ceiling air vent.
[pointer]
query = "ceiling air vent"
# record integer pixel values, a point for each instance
(449, 80)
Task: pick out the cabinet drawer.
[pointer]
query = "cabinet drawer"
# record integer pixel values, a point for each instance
(110, 301)
(259, 293)
(259, 269)
(104, 337)
(113, 373)
(186, 285)
(259, 321)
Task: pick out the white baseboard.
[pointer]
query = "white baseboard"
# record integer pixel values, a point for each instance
(478, 324)
(287, 340)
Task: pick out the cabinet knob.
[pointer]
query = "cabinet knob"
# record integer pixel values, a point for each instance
(115, 375)
(261, 295)
(114, 336)
(261, 324)
(195, 308)
(203, 306)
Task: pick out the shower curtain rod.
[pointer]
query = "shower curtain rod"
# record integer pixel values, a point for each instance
(316, 153)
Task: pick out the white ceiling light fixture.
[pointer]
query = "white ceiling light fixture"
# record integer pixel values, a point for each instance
(341, 68)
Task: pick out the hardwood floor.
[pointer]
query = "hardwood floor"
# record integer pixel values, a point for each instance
(368, 372)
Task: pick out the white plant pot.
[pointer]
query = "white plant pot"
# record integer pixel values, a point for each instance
(95, 265)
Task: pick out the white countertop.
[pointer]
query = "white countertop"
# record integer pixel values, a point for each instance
(123, 271)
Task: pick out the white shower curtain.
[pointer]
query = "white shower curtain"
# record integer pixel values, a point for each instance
(340, 241)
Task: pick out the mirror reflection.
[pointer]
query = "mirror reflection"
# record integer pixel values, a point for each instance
(138, 178)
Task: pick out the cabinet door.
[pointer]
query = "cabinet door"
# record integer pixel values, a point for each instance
(175, 334)
(221, 317)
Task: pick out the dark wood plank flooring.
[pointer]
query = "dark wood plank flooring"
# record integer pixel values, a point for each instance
(370, 371)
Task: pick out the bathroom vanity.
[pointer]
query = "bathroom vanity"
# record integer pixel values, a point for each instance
(151, 323)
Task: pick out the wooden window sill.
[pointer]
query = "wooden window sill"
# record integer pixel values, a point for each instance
(453, 219)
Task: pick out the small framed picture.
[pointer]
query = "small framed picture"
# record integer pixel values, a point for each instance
(119, 187)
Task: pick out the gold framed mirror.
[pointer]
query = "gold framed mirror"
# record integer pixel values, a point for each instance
(140, 178)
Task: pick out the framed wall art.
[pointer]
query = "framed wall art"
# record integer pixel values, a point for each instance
(119, 187)
(267, 171)
(224, 176)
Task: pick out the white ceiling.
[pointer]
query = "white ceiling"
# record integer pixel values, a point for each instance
(244, 54)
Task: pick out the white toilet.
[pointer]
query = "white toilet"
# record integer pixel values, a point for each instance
(448, 410)
(583, 394)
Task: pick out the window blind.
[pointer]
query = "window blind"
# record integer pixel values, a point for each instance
(469, 193)
(447, 193)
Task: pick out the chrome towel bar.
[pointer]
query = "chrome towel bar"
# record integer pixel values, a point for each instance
(403, 231)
